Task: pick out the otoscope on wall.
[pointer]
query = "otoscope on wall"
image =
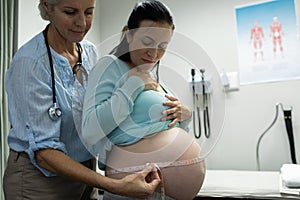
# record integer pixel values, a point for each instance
(205, 106)
(195, 105)
(200, 87)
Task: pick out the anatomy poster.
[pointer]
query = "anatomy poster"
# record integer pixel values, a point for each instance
(268, 42)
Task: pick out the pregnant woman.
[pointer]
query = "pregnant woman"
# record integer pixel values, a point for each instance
(133, 120)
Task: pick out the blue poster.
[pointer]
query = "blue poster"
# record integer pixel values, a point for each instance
(268, 42)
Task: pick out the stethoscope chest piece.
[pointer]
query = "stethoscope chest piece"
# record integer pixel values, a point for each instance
(54, 112)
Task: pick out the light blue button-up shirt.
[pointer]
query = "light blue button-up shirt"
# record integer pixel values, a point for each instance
(29, 89)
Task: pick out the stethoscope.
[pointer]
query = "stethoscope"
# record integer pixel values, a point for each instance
(196, 107)
(55, 111)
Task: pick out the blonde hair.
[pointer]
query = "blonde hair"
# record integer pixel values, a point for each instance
(42, 9)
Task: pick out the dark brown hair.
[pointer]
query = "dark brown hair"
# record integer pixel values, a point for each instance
(146, 10)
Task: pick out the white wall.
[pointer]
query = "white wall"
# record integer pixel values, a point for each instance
(30, 22)
(210, 24)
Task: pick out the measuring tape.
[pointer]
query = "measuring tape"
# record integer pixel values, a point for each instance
(158, 166)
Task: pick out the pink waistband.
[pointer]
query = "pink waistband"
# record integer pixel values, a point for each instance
(159, 165)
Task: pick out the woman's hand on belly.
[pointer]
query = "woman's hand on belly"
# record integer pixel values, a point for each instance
(177, 112)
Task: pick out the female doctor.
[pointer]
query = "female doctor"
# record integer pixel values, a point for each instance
(47, 159)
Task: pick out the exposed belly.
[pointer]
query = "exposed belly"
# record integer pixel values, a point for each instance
(185, 171)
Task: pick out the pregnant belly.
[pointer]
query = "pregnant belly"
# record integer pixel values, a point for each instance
(175, 152)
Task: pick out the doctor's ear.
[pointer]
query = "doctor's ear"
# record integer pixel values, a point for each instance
(46, 6)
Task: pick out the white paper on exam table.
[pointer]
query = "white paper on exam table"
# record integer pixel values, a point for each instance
(243, 184)
(290, 175)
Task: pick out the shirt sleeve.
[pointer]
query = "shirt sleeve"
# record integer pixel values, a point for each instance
(109, 98)
(90, 54)
(29, 89)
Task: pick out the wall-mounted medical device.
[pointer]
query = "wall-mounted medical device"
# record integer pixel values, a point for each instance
(287, 113)
(200, 86)
(230, 81)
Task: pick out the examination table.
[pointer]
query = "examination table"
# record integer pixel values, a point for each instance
(240, 184)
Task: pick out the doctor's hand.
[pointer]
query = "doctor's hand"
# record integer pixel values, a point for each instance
(177, 111)
(139, 185)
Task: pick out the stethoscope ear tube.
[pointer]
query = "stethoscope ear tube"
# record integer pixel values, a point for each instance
(54, 111)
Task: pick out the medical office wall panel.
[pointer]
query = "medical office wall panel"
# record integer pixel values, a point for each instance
(250, 110)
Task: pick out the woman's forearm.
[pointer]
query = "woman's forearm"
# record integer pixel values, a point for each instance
(134, 185)
(62, 165)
